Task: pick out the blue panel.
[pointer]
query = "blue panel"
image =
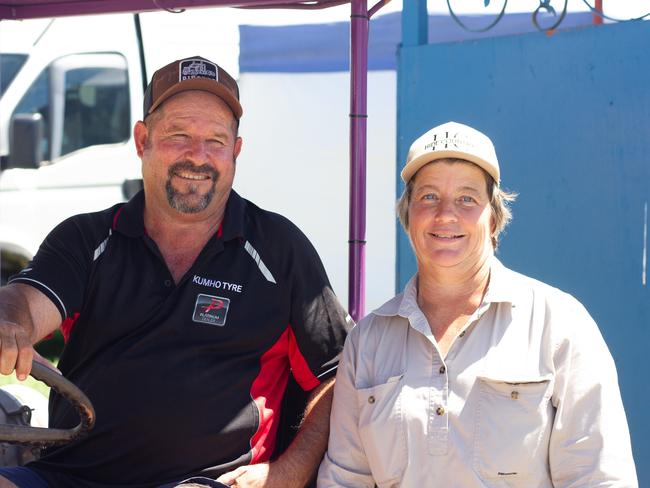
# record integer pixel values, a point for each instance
(325, 47)
(570, 118)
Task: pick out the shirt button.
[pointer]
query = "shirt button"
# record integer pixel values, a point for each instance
(514, 395)
(462, 333)
(371, 399)
(440, 411)
(168, 282)
(442, 370)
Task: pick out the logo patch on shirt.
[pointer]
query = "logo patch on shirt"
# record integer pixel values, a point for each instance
(211, 310)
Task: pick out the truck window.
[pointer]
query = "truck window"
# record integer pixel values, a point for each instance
(97, 108)
(37, 100)
(10, 64)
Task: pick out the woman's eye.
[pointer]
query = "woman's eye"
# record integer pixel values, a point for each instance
(467, 199)
(429, 196)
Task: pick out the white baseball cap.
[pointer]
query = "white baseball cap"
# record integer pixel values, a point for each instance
(452, 140)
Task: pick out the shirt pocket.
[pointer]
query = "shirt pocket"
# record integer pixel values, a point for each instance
(512, 430)
(382, 430)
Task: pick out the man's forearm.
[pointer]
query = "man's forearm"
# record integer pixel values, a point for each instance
(298, 464)
(26, 306)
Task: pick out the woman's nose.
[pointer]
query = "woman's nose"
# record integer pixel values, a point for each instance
(445, 211)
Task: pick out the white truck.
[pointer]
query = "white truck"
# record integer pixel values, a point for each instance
(70, 93)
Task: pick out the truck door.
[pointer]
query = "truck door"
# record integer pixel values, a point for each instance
(79, 158)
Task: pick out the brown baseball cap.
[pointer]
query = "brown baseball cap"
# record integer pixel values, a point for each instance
(195, 73)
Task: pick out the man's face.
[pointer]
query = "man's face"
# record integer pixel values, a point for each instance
(188, 149)
(450, 218)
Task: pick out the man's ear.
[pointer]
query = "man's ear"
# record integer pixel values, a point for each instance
(140, 134)
(238, 145)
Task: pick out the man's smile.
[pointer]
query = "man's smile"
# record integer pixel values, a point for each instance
(191, 176)
(189, 171)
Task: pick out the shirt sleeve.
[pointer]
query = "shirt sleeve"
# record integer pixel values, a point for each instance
(345, 463)
(590, 441)
(60, 267)
(318, 322)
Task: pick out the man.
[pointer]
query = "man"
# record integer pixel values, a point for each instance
(183, 311)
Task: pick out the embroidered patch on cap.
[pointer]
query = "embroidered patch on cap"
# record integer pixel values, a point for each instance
(211, 310)
(197, 68)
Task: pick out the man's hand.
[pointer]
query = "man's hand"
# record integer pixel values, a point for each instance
(26, 316)
(251, 476)
(16, 351)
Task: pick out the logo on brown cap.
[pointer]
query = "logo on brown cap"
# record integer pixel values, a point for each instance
(197, 68)
(195, 73)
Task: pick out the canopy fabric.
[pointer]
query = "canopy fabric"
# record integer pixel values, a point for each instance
(325, 47)
(32, 9)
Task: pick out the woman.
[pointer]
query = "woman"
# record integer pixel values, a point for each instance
(473, 376)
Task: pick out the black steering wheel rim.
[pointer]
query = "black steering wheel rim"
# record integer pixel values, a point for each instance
(45, 437)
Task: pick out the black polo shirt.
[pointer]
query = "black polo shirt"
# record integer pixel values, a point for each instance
(183, 377)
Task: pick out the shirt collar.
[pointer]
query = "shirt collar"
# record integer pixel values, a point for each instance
(404, 304)
(503, 287)
(232, 226)
(129, 218)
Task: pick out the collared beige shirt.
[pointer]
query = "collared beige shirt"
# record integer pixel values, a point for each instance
(527, 396)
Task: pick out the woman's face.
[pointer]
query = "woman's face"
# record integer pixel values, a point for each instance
(450, 218)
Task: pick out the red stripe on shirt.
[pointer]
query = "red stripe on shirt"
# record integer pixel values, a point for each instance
(301, 370)
(267, 391)
(67, 325)
(117, 214)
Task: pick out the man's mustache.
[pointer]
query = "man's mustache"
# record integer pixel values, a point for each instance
(190, 166)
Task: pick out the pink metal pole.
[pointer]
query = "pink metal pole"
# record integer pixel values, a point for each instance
(358, 117)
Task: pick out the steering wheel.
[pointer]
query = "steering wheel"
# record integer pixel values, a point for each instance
(45, 437)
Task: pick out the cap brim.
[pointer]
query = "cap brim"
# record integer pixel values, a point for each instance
(414, 165)
(202, 84)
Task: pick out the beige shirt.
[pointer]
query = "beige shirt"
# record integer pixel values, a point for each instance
(527, 397)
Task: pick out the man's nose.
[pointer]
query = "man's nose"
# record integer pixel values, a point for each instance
(197, 150)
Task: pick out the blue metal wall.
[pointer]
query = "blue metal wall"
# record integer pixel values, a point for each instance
(570, 118)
